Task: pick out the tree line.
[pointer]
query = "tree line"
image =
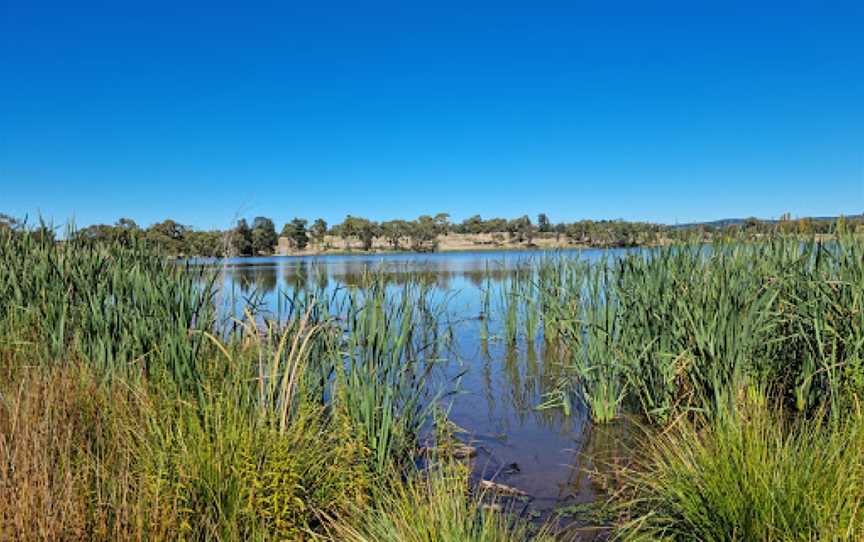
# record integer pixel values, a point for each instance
(260, 237)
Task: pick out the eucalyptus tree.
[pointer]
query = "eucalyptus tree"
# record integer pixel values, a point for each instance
(295, 231)
(424, 233)
(394, 231)
(442, 223)
(521, 229)
(7, 221)
(362, 228)
(543, 224)
(170, 235)
(318, 231)
(264, 236)
(473, 224)
(241, 239)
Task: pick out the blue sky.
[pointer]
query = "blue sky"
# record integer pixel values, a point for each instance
(205, 111)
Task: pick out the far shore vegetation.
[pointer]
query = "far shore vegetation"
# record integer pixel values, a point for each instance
(428, 233)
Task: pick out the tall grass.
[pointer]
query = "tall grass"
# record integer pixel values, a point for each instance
(244, 429)
(130, 410)
(69, 450)
(117, 306)
(382, 366)
(435, 505)
(672, 329)
(591, 328)
(750, 474)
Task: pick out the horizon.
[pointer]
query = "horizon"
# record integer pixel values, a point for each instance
(675, 114)
(61, 226)
(62, 229)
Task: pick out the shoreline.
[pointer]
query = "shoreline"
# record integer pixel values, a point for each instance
(387, 252)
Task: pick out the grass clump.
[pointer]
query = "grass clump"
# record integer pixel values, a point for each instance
(751, 474)
(69, 460)
(118, 307)
(434, 505)
(673, 329)
(289, 480)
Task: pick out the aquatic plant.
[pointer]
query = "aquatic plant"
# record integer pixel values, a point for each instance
(384, 360)
(752, 473)
(118, 306)
(679, 326)
(434, 505)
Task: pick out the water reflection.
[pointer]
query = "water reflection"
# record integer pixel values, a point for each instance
(249, 278)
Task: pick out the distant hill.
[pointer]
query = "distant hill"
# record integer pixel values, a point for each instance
(722, 223)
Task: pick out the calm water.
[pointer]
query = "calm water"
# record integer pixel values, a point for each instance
(538, 451)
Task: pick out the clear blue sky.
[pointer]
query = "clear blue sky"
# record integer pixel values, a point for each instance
(200, 111)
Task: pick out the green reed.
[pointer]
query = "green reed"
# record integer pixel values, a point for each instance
(753, 473)
(388, 350)
(677, 327)
(589, 329)
(119, 306)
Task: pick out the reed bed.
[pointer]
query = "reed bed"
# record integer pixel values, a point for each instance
(673, 329)
(132, 406)
(743, 361)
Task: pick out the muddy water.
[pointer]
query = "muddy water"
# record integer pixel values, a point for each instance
(499, 386)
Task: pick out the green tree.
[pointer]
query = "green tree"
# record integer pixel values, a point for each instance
(363, 229)
(424, 233)
(125, 230)
(318, 231)
(168, 234)
(97, 232)
(241, 239)
(521, 229)
(442, 223)
(495, 225)
(543, 224)
(295, 231)
(264, 236)
(205, 243)
(7, 221)
(473, 225)
(394, 231)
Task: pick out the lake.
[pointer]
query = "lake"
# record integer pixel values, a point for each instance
(497, 384)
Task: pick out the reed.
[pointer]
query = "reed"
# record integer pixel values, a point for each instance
(388, 350)
(130, 409)
(119, 307)
(435, 505)
(254, 425)
(750, 474)
(674, 329)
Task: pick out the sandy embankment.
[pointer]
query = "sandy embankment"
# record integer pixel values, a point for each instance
(446, 243)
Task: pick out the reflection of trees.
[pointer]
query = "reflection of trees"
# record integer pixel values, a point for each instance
(260, 279)
(358, 271)
(488, 381)
(306, 274)
(519, 395)
(480, 277)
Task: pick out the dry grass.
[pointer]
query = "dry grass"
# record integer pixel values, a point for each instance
(69, 448)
